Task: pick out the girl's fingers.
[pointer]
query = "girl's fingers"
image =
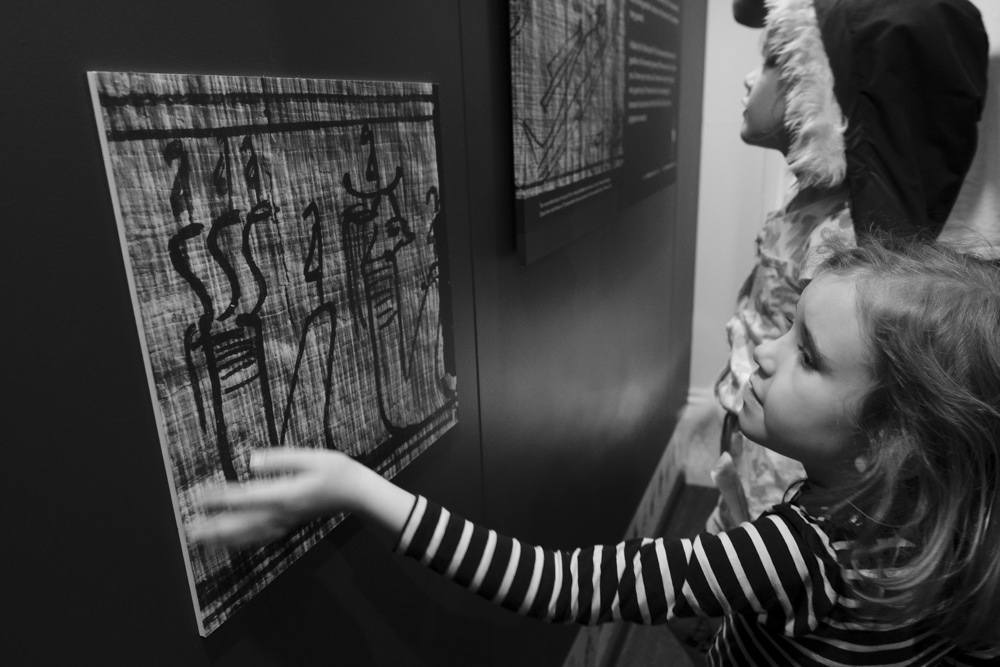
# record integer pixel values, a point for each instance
(284, 460)
(233, 530)
(249, 495)
(260, 510)
(221, 497)
(287, 462)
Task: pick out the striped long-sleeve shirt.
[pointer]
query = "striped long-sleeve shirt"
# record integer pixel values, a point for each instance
(777, 581)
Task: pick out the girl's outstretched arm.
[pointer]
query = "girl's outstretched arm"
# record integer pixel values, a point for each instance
(639, 580)
(300, 485)
(750, 13)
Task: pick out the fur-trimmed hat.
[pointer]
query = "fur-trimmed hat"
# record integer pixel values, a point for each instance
(813, 118)
(884, 93)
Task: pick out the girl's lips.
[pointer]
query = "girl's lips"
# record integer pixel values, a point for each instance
(753, 392)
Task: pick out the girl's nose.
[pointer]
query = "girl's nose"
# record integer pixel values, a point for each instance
(749, 79)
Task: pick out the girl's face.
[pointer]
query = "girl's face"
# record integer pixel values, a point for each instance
(803, 399)
(764, 109)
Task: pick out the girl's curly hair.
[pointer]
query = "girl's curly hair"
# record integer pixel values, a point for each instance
(930, 433)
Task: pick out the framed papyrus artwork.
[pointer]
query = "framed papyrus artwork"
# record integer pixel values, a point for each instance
(594, 91)
(286, 252)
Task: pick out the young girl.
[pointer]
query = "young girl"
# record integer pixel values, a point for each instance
(874, 104)
(886, 387)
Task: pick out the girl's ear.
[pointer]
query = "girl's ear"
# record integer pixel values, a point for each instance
(861, 463)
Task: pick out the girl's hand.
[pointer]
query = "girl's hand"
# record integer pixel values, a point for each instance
(314, 483)
(311, 486)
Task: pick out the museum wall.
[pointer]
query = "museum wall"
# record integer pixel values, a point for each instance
(570, 370)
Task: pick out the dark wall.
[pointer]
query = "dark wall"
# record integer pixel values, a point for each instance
(570, 370)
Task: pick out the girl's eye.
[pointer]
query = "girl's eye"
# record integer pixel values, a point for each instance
(805, 358)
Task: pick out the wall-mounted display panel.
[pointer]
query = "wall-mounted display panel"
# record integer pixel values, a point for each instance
(286, 252)
(594, 93)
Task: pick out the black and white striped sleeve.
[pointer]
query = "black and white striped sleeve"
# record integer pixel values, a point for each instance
(769, 569)
(973, 659)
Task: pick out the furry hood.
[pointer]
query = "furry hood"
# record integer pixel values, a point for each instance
(887, 95)
(813, 118)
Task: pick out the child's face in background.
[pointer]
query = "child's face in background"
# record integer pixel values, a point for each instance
(803, 399)
(764, 109)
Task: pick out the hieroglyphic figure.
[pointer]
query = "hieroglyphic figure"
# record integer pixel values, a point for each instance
(319, 328)
(229, 345)
(438, 273)
(373, 239)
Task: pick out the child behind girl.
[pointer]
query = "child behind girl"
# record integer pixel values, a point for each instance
(874, 104)
(886, 388)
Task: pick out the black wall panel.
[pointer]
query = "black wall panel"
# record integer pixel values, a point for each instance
(570, 370)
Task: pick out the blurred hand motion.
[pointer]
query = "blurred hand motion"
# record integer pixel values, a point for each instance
(297, 485)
